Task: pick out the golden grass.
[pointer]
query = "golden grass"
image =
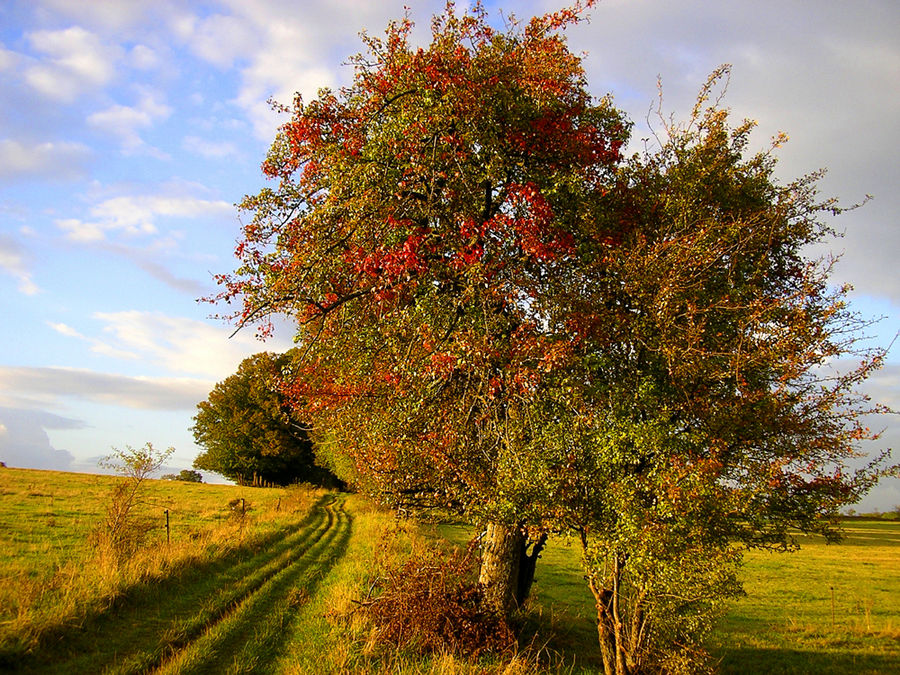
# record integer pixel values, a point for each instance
(50, 575)
(52, 572)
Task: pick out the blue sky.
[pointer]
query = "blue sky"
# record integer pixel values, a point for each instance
(129, 128)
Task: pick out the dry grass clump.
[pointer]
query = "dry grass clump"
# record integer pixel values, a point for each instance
(430, 602)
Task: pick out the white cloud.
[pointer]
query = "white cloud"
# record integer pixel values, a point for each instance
(221, 40)
(80, 231)
(13, 262)
(143, 57)
(829, 78)
(262, 82)
(136, 215)
(48, 160)
(97, 346)
(73, 61)
(63, 329)
(106, 14)
(24, 441)
(287, 48)
(8, 59)
(124, 122)
(49, 386)
(182, 345)
(883, 387)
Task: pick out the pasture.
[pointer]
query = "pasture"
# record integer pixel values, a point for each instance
(272, 585)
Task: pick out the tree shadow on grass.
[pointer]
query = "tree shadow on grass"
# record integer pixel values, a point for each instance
(774, 661)
(261, 640)
(139, 612)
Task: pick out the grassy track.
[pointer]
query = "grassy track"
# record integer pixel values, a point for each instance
(51, 573)
(252, 634)
(206, 613)
(222, 583)
(274, 590)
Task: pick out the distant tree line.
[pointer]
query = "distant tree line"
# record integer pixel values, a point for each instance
(185, 475)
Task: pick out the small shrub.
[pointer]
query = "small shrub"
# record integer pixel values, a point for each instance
(432, 603)
(185, 475)
(122, 531)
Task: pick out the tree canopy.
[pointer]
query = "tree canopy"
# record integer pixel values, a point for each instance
(418, 217)
(249, 432)
(498, 312)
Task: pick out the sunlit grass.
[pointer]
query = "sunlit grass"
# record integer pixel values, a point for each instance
(784, 625)
(51, 575)
(278, 591)
(828, 608)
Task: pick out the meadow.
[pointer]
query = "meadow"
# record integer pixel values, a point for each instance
(272, 585)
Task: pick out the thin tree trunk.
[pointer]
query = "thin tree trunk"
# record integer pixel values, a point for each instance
(602, 600)
(501, 558)
(621, 661)
(527, 565)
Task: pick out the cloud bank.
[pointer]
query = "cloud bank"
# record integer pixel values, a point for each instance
(24, 442)
(48, 387)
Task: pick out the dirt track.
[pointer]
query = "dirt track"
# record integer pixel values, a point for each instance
(221, 617)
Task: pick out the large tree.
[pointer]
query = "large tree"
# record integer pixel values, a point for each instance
(498, 313)
(704, 403)
(249, 432)
(417, 215)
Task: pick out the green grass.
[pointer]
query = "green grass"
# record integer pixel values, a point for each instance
(56, 589)
(48, 516)
(786, 624)
(276, 591)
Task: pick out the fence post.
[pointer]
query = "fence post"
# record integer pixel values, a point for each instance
(167, 527)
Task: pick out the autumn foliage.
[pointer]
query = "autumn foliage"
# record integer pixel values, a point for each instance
(500, 313)
(418, 218)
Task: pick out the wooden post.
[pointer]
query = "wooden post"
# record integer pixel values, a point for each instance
(242, 506)
(167, 527)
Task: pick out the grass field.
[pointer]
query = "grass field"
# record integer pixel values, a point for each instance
(64, 608)
(785, 623)
(271, 588)
(827, 609)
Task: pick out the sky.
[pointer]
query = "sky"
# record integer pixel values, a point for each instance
(130, 128)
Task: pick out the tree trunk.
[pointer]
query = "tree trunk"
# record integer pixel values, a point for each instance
(605, 630)
(621, 623)
(501, 559)
(527, 564)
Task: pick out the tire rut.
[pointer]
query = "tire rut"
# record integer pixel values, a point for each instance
(158, 620)
(181, 637)
(250, 637)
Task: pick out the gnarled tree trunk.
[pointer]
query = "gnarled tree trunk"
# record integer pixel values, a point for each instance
(527, 565)
(507, 567)
(621, 623)
(500, 564)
